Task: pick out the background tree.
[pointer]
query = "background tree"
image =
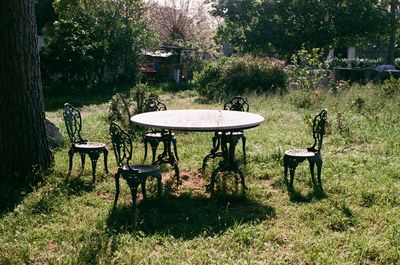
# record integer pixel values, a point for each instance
(393, 14)
(180, 21)
(247, 25)
(23, 143)
(92, 41)
(185, 23)
(286, 26)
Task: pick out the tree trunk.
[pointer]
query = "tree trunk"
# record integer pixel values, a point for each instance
(24, 147)
(392, 31)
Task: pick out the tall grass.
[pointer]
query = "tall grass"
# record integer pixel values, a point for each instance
(357, 221)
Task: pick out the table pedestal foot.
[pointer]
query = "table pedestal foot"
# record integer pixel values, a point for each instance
(228, 162)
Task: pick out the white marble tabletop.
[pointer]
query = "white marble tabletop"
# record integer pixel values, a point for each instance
(198, 120)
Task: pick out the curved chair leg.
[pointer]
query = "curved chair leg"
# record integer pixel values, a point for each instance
(94, 156)
(83, 156)
(319, 171)
(71, 157)
(159, 185)
(105, 153)
(285, 166)
(146, 143)
(290, 164)
(154, 145)
(312, 166)
(116, 188)
(292, 172)
(244, 148)
(175, 148)
(133, 193)
(144, 189)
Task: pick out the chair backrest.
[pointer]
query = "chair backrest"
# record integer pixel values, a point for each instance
(152, 104)
(319, 123)
(237, 104)
(73, 122)
(122, 144)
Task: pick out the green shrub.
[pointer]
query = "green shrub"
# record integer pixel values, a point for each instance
(239, 75)
(91, 45)
(307, 70)
(390, 87)
(124, 105)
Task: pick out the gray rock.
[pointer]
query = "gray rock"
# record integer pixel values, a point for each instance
(53, 134)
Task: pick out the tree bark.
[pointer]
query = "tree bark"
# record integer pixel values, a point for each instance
(24, 147)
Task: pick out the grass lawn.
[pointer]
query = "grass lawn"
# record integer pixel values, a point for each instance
(357, 221)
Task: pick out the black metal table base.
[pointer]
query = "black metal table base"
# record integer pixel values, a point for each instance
(223, 146)
(167, 156)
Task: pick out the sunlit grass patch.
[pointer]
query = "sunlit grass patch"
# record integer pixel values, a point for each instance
(355, 221)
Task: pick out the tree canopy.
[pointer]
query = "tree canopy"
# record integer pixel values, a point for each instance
(284, 26)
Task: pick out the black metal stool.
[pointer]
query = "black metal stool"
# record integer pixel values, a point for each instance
(294, 157)
(134, 174)
(73, 123)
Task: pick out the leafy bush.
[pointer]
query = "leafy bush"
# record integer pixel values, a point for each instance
(124, 105)
(390, 87)
(239, 75)
(307, 70)
(91, 43)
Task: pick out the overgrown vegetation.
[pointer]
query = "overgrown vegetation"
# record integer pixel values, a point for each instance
(357, 221)
(125, 105)
(240, 75)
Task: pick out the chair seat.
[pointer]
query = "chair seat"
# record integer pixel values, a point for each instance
(299, 153)
(90, 145)
(140, 168)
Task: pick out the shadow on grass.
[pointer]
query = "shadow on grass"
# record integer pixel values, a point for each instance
(187, 216)
(13, 192)
(77, 186)
(317, 193)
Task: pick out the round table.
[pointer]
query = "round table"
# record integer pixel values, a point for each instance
(198, 120)
(202, 120)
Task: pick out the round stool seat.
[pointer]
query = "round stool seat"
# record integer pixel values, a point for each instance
(299, 153)
(90, 145)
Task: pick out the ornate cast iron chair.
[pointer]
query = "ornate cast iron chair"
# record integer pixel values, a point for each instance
(154, 137)
(133, 174)
(235, 104)
(294, 157)
(73, 123)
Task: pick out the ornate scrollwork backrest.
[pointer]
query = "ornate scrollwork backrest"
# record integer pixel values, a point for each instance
(319, 129)
(122, 144)
(73, 122)
(152, 104)
(237, 104)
